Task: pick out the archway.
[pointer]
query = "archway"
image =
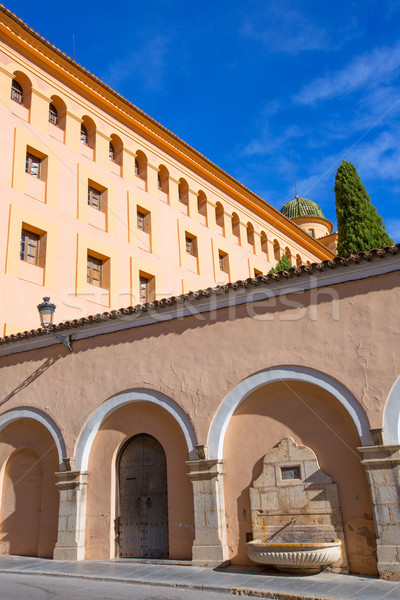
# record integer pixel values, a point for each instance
(290, 373)
(114, 423)
(315, 411)
(29, 499)
(142, 499)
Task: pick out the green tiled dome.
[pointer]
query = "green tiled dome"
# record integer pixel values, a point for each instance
(301, 207)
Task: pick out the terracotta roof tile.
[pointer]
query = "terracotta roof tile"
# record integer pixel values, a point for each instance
(261, 280)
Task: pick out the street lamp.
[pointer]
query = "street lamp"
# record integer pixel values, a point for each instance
(46, 311)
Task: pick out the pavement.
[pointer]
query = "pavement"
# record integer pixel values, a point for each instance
(246, 581)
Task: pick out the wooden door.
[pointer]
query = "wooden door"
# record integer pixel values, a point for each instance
(143, 505)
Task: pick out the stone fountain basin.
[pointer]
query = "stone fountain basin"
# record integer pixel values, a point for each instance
(295, 557)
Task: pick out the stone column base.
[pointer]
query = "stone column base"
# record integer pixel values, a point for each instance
(210, 556)
(389, 562)
(65, 553)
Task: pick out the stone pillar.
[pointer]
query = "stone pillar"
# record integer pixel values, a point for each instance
(382, 464)
(209, 547)
(70, 544)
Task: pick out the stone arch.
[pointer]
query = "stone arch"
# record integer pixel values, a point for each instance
(32, 413)
(391, 416)
(292, 373)
(93, 424)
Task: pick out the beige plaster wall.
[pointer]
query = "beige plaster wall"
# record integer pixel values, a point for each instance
(102, 501)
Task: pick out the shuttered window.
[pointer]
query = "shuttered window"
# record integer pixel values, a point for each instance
(94, 198)
(144, 290)
(53, 114)
(16, 92)
(141, 220)
(29, 247)
(94, 271)
(32, 165)
(84, 135)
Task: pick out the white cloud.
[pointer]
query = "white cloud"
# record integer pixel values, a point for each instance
(371, 68)
(268, 143)
(286, 29)
(146, 64)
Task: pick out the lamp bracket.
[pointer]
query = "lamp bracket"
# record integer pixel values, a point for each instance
(64, 339)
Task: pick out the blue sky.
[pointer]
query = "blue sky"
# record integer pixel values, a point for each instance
(246, 83)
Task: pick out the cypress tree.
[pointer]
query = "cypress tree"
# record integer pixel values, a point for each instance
(283, 265)
(360, 227)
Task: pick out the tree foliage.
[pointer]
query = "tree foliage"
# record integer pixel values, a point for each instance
(360, 227)
(283, 265)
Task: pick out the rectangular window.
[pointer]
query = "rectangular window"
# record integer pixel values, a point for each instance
(94, 271)
(94, 198)
(223, 259)
(140, 220)
(144, 290)
(191, 245)
(29, 247)
(143, 220)
(32, 165)
(311, 232)
(290, 473)
(147, 287)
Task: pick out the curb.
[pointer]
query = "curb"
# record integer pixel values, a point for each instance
(235, 591)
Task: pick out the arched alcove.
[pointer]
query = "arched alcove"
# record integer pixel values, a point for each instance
(318, 413)
(277, 251)
(29, 505)
(236, 227)
(202, 206)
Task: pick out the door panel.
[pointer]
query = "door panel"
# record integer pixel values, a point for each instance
(143, 522)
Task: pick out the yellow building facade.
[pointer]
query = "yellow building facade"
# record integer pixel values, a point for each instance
(102, 207)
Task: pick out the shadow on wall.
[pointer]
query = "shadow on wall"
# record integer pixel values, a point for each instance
(29, 496)
(21, 504)
(32, 377)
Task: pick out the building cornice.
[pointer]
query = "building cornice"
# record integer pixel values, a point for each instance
(57, 63)
(302, 279)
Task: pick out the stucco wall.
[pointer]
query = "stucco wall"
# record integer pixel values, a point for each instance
(349, 333)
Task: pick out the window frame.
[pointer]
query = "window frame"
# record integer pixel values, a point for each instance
(17, 93)
(223, 261)
(143, 281)
(92, 192)
(84, 136)
(53, 115)
(25, 245)
(30, 160)
(92, 261)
